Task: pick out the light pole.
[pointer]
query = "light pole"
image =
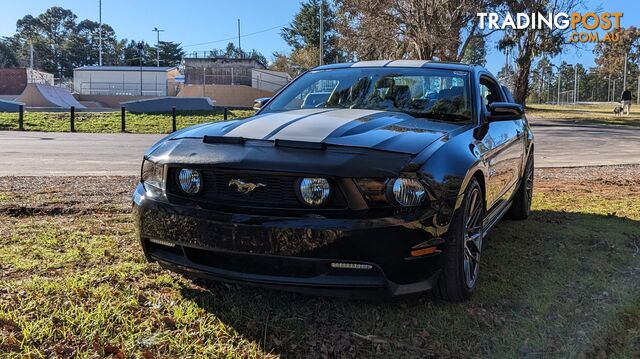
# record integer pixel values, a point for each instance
(158, 31)
(239, 44)
(558, 102)
(100, 32)
(140, 48)
(575, 83)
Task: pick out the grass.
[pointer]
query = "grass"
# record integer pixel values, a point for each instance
(110, 122)
(584, 114)
(74, 283)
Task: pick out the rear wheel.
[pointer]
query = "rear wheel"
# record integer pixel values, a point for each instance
(521, 206)
(462, 249)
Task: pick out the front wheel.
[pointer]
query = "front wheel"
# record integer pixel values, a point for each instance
(461, 252)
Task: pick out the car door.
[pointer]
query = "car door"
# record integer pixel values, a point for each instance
(504, 147)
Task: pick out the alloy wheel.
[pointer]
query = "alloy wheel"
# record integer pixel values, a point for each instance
(473, 237)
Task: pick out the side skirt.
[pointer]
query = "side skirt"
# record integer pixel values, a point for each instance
(495, 218)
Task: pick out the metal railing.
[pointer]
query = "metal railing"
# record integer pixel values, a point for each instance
(165, 88)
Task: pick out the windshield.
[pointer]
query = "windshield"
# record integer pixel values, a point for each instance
(420, 92)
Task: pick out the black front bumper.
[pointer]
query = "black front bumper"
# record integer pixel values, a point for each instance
(312, 254)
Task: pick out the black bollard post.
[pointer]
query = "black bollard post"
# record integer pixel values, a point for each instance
(226, 111)
(21, 117)
(122, 119)
(73, 119)
(173, 119)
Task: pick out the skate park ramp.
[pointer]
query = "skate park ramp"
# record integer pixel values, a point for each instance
(39, 95)
(9, 106)
(166, 104)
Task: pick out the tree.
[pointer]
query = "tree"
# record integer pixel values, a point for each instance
(131, 54)
(611, 55)
(416, 29)
(232, 52)
(48, 33)
(83, 45)
(476, 52)
(506, 76)
(541, 76)
(7, 55)
(304, 31)
(531, 43)
(171, 53)
(61, 44)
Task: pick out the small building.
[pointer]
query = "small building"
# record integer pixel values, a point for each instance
(125, 80)
(220, 70)
(14, 80)
(268, 80)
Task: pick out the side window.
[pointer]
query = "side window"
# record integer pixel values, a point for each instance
(489, 91)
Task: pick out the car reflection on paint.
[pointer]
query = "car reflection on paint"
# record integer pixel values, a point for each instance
(359, 179)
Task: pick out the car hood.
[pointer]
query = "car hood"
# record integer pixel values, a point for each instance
(371, 129)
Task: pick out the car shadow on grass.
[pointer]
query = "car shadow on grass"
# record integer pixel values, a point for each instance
(555, 285)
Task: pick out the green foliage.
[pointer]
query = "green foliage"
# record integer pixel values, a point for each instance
(61, 43)
(304, 30)
(8, 56)
(171, 53)
(476, 51)
(232, 52)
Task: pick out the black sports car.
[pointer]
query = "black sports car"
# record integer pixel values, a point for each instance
(378, 177)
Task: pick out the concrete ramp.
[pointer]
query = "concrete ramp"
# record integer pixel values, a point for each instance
(39, 95)
(9, 106)
(165, 104)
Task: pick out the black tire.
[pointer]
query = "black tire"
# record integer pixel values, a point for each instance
(521, 206)
(462, 249)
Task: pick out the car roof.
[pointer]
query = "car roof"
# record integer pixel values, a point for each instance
(405, 63)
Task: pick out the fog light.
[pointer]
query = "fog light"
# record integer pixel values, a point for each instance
(162, 242)
(315, 191)
(343, 265)
(408, 192)
(190, 181)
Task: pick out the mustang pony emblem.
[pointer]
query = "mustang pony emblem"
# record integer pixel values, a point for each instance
(245, 187)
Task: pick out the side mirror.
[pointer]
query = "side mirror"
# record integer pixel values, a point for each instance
(259, 102)
(504, 111)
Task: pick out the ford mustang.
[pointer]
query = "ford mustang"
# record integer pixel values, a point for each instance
(358, 179)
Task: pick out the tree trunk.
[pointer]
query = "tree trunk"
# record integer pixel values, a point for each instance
(521, 83)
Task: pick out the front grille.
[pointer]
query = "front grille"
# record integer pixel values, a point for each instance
(279, 191)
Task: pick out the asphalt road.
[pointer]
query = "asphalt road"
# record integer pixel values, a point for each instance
(77, 154)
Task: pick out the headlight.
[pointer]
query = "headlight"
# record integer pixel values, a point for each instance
(315, 191)
(190, 181)
(408, 192)
(152, 175)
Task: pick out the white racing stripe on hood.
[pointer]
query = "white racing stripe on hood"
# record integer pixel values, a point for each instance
(318, 127)
(261, 127)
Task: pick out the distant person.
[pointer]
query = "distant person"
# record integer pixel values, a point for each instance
(626, 101)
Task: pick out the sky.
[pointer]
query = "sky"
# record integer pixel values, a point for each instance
(211, 21)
